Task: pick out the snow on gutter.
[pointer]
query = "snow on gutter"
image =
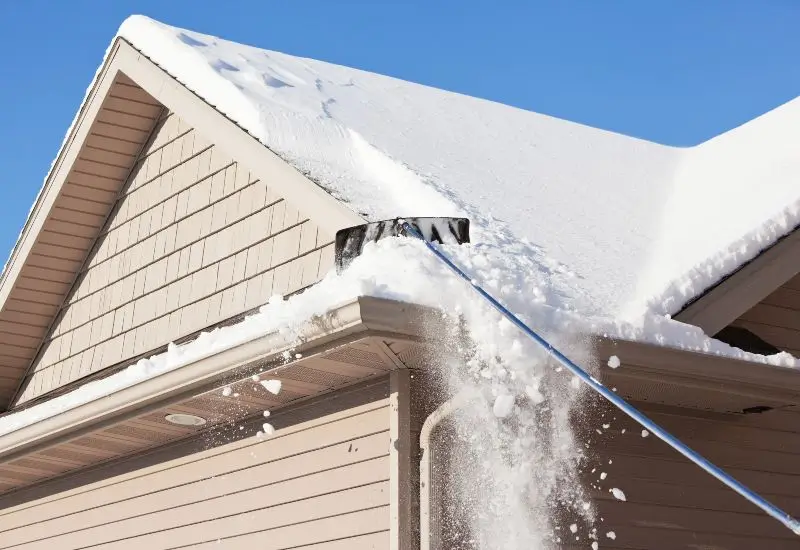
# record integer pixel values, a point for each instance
(202, 363)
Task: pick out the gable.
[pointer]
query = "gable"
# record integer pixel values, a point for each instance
(769, 277)
(62, 226)
(776, 319)
(194, 240)
(153, 275)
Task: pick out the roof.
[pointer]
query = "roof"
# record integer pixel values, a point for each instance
(568, 221)
(641, 226)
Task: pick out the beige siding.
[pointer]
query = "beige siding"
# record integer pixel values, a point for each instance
(194, 240)
(671, 503)
(77, 198)
(776, 319)
(320, 483)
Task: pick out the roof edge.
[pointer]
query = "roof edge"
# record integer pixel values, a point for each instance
(371, 316)
(352, 320)
(318, 204)
(63, 161)
(733, 295)
(328, 212)
(703, 371)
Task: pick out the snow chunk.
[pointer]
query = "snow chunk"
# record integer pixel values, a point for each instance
(595, 546)
(645, 433)
(503, 405)
(573, 528)
(603, 475)
(612, 535)
(268, 429)
(272, 386)
(226, 391)
(618, 494)
(614, 362)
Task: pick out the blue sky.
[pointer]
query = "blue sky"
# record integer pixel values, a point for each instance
(675, 72)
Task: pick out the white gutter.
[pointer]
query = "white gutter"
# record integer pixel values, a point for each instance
(342, 323)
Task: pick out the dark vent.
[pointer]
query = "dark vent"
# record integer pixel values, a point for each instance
(758, 409)
(745, 340)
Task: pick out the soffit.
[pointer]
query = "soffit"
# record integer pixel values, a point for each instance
(113, 125)
(348, 346)
(78, 197)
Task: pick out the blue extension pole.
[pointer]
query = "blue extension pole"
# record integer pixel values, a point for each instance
(766, 506)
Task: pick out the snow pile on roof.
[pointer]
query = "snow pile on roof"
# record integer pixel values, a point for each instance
(644, 227)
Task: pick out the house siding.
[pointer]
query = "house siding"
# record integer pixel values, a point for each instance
(670, 502)
(194, 240)
(317, 483)
(776, 319)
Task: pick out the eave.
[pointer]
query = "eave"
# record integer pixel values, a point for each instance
(80, 192)
(351, 344)
(735, 294)
(677, 377)
(362, 340)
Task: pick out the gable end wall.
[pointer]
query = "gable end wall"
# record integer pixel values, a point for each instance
(194, 240)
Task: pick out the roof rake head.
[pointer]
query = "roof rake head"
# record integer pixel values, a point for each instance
(350, 241)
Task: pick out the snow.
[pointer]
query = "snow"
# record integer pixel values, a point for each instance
(618, 494)
(503, 405)
(576, 230)
(612, 535)
(272, 386)
(630, 220)
(645, 433)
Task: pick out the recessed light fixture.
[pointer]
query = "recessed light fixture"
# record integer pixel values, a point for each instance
(185, 419)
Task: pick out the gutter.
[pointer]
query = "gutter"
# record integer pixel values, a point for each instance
(341, 325)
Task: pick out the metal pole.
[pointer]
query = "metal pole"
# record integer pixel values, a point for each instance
(766, 506)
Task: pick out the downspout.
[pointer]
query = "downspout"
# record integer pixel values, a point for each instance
(425, 478)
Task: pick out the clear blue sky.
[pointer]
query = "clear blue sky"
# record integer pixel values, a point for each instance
(674, 71)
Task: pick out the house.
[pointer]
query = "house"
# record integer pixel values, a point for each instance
(201, 179)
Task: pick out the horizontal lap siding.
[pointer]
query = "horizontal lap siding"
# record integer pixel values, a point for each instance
(195, 239)
(776, 319)
(324, 483)
(671, 503)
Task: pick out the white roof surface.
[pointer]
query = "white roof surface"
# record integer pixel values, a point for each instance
(574, 227)
(642, 226)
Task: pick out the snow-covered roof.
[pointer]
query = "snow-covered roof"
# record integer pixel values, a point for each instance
(575, 229)
(639, 226)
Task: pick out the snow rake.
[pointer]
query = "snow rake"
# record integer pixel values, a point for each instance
(350, 242)
(431, 231)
